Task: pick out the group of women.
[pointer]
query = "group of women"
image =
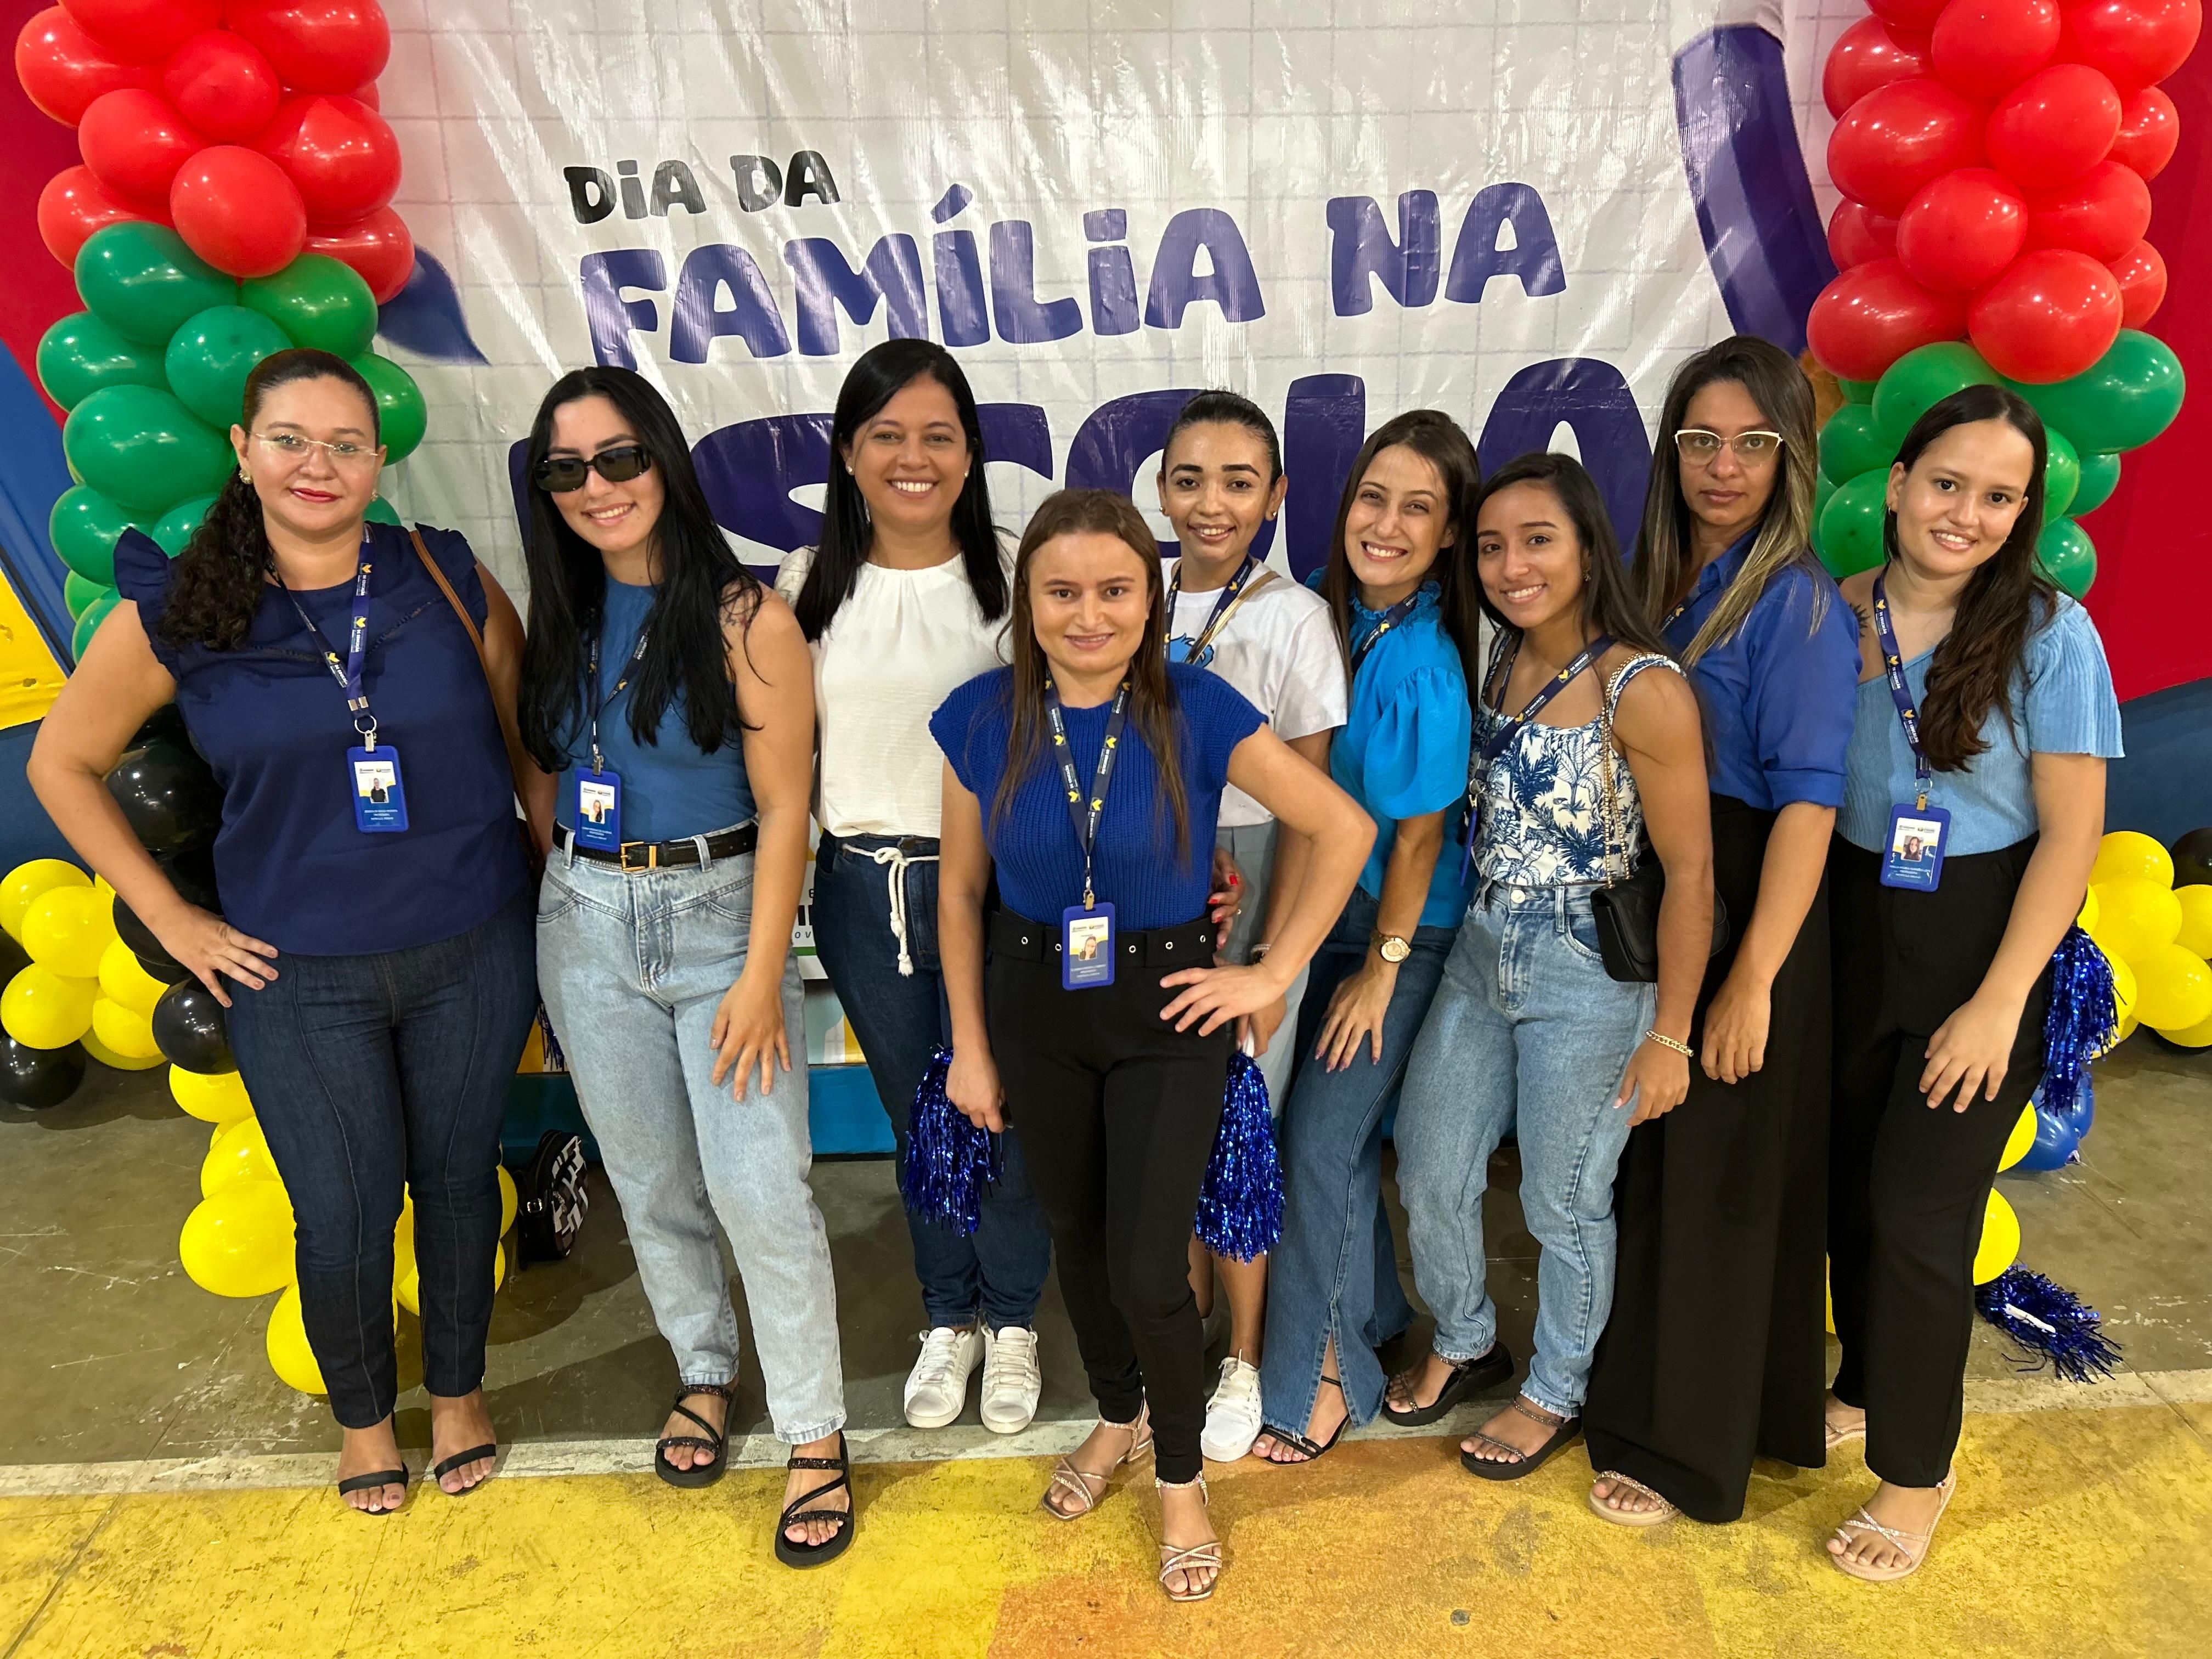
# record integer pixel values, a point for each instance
(1488, 826)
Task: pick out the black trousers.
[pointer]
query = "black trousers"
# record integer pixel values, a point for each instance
(1117, 1112)
(1908, 1185)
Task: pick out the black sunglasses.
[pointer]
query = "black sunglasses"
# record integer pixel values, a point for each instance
(557, 475)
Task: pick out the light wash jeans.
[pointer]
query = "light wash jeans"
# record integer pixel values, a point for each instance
(632, 967)
(1528, 1032)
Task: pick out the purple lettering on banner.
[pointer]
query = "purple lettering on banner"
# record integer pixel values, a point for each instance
(1023, 319)
(1360, 248)
(1534, 258)
(1113, 277)
(612, 318)
(748, 471)
(1324, 424)
(892, 275)
(698, 322)
(1231, 284)
(960, 313)
(1018, 432)
(1589, 395)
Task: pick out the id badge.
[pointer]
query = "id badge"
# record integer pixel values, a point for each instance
(1086, 947)
(598, 810)
(1913, 857)
(379, 798)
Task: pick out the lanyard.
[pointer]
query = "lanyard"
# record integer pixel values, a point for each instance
(592, 680)
(1085, 821)
(1396, 613)
(348, 674)
(1222, 606)
(1589, 653)
(1893, 667)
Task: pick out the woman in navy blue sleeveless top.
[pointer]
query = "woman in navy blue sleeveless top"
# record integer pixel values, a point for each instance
(377, 973)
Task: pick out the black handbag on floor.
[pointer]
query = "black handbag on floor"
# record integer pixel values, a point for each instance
(551, 1201)
(1626, 908)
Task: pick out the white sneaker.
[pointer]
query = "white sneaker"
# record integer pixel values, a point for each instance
(1232, 1416)
(1011, 1380)
(937, 1386)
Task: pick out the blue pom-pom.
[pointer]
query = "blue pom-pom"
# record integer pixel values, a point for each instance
(555, 1059)
(1240, 1208)
(949, 1161)
(2050, 1324)
(2080, 1020)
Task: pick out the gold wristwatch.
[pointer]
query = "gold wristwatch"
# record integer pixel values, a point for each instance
(1392, 949)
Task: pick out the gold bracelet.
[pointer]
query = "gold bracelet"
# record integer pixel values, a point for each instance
(1666, 1042)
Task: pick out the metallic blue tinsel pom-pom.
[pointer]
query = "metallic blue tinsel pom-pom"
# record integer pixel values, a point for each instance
(1240, 1208)
(2079, 1023)
(2050, 1323)
(949, 1161)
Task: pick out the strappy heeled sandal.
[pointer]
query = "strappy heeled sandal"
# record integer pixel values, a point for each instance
(1194, 1558)
(1605, 1511)
(815, 1555)
(1564, 1430)
(699, 1474)
(1077, 1483)
(446, 1465)
(354, 1483)
(1307, 1450)
(1467, 1376)
(1913, 1544)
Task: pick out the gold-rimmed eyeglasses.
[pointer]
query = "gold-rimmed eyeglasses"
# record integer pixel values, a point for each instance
(1694, 443)
(297, 446)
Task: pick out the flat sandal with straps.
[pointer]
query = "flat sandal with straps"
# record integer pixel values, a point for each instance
(1665, 1510)
(1307, 1450)
(1077, 1483)
(1193, 1559)
(699, 1474)
(1564, 1430)
(804, 1507)
(1912, 1545)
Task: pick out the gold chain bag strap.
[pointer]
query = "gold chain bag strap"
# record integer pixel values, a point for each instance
(1626, 908)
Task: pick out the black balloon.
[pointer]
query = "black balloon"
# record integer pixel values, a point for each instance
(144, 945)
(168, 795)
(192, 874)
(189, 1030)
(35, 1079)
(2192, 859)
(13, 958)
(166, 722)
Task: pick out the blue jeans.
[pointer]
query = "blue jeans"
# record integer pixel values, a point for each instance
(376, 1077)
(633, 968)
(1336, 1272)
(1528, 1033)
(899, 1018)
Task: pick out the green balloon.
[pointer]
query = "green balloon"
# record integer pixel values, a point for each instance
(382, 512)
(78, 595)
(2067, 552)
(401, 414)
(2100, 476)
(83, 528)
(1850, 524)
(89, 624)
(1859, 392)
(141, 279)
(1824, 491)
(2122, 401)
(318, 302)
(177, 524)
(1919, 380)
(1850, 445)
(144, 449)
(2062, 476)
(80, 354)
(209, 357)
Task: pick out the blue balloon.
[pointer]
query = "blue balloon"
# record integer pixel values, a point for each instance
(2055, 1143)
(2083, 1112)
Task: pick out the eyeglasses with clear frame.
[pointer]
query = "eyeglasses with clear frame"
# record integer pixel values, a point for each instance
(297, 446)
(1694, 443)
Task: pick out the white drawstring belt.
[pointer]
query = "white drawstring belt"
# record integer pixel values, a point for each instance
(898, 860)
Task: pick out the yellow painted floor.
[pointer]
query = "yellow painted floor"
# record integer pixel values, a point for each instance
(2076, 1534)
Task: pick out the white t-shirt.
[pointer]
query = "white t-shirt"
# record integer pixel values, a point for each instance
(1278, 649)
(895, 650)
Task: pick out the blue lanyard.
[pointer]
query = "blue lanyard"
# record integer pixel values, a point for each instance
(1495, 745)
(1893, 667)
(1086, 818)
(1396, 613)
(348, 673)
(1221, 606)
(592, 680)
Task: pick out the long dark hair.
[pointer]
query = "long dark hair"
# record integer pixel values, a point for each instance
(2002, 602)
(1152, 706)
(1609, 604)
(701, 583)
(218, 581)
(881, 374)
(1226, 408)
(1439, 440)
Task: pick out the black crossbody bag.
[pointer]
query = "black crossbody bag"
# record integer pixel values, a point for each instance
(1626, 908)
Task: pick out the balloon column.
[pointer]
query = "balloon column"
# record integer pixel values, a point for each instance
(2157, 934)
(1992, 156)
(233, 201)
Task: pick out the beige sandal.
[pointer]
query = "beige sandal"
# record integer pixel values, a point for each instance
(1914, 1544)
(1077, 1484)
(1198, 1556)
(1666, 1511)
(1835, 1437)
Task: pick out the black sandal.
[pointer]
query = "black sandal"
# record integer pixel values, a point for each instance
(699, 1474)
(815, 1555)
(1308, 1451)
(369, 1482)
(1468, 1376)
(1564, 1430)
(446, 1465)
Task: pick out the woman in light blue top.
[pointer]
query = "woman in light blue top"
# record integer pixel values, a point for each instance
(1402, 589)
(1974, 803)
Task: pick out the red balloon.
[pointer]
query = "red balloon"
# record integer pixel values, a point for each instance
(221, 85)
(1983, 49)
(134, 143)
(144, 31)
(1913, 16)
(63, 68)
(1868, 56)
(1898, 138)
(1856, 235)
(2048, 318)
(237, 210)
(380, 248)
(2140, 274)
(1873, 314)
(2150, 128)
(2102, 214)
(318, 46)
(1962, 230)
(338, 151)
(2054, 126)
(2133, 42)
(71, 207)
(367, 96)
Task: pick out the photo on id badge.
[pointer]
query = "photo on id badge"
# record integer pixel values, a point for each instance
(1087, 948)
(598, 810)
(1914, 858)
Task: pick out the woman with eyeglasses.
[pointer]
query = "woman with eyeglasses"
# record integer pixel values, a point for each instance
(375, 956)
(671, 694)
(1715, 1351)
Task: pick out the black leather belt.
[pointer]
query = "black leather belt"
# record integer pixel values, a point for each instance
(1189, 945)
(637, 856)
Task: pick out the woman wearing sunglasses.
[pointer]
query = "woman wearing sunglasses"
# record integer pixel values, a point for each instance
(670, 693)
(375, 956)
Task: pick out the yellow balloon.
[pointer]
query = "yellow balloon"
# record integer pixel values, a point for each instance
(509, 1200)
(63, 930)
(498, 1268)
(123, 979)
(40, 1009)
(2127, 1030)
(238, 1242)
(2000, 1242)
(2124, 989)
(2018, 1142)
(289, 1355)
(26, 882)
(2175, 989)
(210, 1096)
(410, 1283)
(100, 886)
(2198, 1035)
(124, 1030)
(2134, 916)
(2087, 918)
(108, 1056)
(2195, 934)
(238, 1152)
(2131, 853)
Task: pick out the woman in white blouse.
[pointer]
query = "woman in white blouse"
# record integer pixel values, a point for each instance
(905, 598)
